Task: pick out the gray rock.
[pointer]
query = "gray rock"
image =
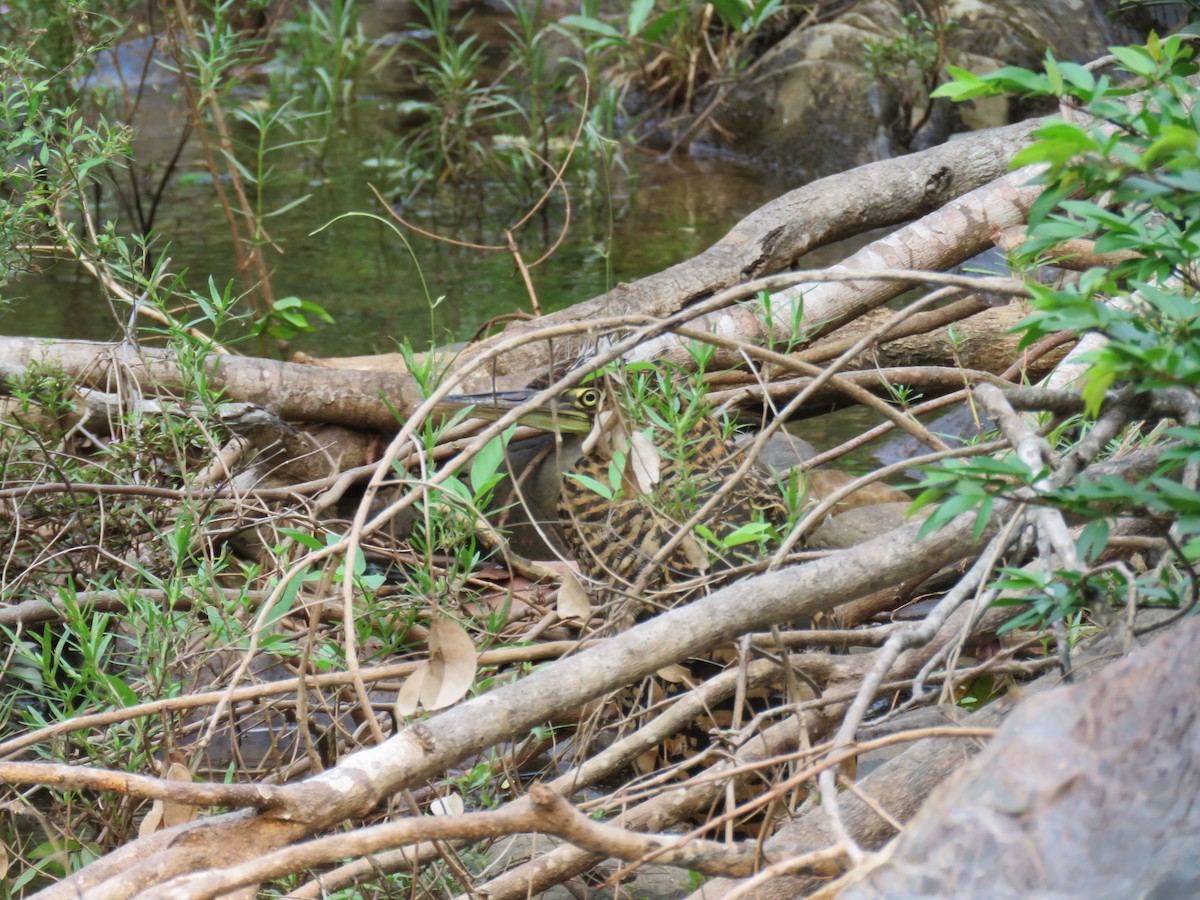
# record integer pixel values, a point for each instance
(857, 525)
(781, 452)
(1088, 791)
(812, 106)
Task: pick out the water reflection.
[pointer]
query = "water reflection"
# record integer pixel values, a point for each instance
(659, 214)
(636, 219)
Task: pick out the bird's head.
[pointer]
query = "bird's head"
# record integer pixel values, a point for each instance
(573, 411)
(580, 411)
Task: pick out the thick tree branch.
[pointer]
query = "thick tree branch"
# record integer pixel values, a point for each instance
(73, 777)
(773, 237)
(426, 749)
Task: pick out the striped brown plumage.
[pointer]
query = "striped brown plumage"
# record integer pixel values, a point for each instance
(614, 541)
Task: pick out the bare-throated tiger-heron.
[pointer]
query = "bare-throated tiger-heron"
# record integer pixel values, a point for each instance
(615, 523)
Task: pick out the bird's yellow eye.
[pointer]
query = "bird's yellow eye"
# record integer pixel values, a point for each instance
(589, 398)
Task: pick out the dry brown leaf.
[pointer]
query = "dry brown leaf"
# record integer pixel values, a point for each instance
(611, 435)
(647, 762)
(559, 566)
(675, 746)
(655, 692)
(448, 805)
(673, 673)
(452, 665)
(491, 572)
(153, 820)
(573, 602)
(696, 556)
(644, 462)
(177, 813)
(409, 695)
(493, 601)
(167, 813)
(607, 435)
(725, 655)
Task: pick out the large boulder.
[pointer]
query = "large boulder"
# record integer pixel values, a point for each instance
(812, 106)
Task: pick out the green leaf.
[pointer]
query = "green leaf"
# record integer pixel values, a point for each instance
(455, 488)
(1058, 143)
(124, 692)
(1092, 540)
(295, 319)
(303, 538)
(287, 207)
(371, 582)
(656, 29)
(1078, 77)
(592, 26)
(1099, 380)
(924, 499)
(732, 12)
(1094, 213)
(639, 12)
(1019, 580)
(1180, 496)
(286, 599)
(1175, 139)
(1053, 75)
(616, 471)
(593, 485)
(981, 518)
(949, 510)
(1020, 79)
(964, 86)
(485, 465)
(1135, 59)
(360, 559)
(746, 534)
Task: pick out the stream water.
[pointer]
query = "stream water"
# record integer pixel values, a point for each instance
(631, 221)
(624, 224)
(363, 275)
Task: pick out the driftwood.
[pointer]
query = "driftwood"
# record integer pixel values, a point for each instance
(426, 749)
(982, 342)
(675, 806)
(959, 203)
(766, 242)
(773, 238)
(293, 392)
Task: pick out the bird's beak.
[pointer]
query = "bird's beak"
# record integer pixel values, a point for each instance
(556, 415)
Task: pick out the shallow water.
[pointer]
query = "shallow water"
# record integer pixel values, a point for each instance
(624, 224)
(638, 221)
